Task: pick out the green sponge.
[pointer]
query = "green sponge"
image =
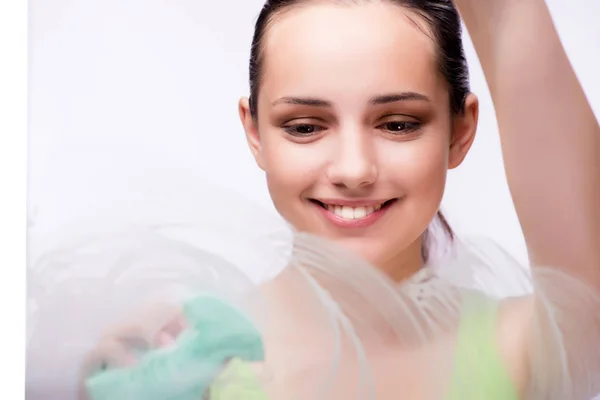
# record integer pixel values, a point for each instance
(218, 333)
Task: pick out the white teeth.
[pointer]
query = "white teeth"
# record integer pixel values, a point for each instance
(347, 212)
(352, 213)
(360, 212)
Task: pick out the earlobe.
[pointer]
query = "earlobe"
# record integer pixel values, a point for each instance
(251, 129)
(463, 133)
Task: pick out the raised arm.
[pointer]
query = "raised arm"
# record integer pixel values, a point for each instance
(550, 137)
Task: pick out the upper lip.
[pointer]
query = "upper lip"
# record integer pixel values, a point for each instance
(352, 203)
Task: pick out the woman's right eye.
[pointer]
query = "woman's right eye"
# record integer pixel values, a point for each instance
(303, 130)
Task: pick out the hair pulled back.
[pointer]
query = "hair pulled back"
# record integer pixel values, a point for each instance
(445, 30)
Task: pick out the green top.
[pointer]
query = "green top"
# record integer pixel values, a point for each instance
(479, 372)
(221, 335)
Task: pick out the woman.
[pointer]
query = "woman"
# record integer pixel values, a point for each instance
(358, 109)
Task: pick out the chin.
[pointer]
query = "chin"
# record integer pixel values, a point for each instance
(362, 248)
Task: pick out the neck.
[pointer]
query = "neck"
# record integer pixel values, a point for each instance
(361, 290)
(403, 265)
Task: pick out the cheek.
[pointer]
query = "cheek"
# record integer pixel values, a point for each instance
(419, 167)
(418, 170)
(290, 170)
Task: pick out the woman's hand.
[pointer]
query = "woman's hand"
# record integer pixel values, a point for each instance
(152, 328)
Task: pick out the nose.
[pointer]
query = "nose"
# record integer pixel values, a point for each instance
(354, 165)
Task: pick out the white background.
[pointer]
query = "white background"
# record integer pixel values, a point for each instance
(13, 177)
(74, 41)
(134, 109)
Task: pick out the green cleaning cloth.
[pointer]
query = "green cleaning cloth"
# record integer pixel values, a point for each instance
(218, 333)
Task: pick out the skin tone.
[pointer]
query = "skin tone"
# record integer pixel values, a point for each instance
(352, 111)
(538, 100)
(322, 135)
(319, 135)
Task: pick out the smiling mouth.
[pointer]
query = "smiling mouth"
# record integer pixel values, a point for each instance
(350, 213)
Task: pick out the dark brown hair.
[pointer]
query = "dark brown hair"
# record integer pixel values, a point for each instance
(446, 31)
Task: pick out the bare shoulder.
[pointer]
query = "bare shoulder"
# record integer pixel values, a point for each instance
(515, 326)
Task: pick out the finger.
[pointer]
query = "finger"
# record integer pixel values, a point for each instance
(169, 333)
(164, 339)
(108, 354)
(141, 327)
(149, 322)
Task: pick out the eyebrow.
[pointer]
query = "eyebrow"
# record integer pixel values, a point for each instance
(396, 97)
(378, 100)
(303, 101)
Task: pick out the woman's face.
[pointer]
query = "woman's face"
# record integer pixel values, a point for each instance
(354, 129)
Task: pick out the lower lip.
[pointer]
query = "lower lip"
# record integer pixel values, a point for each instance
(354, 223)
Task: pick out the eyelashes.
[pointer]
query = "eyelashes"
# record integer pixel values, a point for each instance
(400, 127)
(393, 128)
(303, 130)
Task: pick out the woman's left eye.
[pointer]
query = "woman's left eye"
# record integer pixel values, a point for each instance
(400, 127)
(303, 130)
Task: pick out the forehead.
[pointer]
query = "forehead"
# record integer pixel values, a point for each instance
(349, 51)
